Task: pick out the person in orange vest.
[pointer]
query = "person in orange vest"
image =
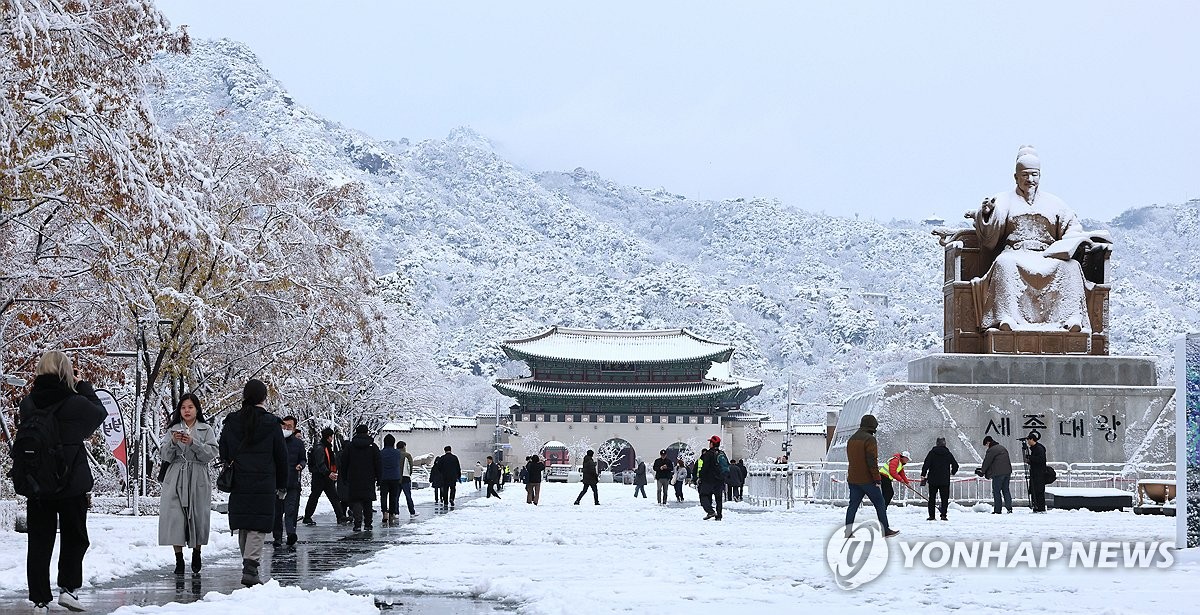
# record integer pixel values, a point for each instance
(890, 471)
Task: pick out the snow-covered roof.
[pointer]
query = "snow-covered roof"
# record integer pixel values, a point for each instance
(414, 424)
(658, 390)
(597, 346)
(805, 429)
(462, 421)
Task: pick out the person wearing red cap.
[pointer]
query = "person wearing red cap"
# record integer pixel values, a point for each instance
(711, 470)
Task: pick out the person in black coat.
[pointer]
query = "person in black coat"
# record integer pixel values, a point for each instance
(591, 477)
(77, 418)
(435, 479)
(533, 479)
(322, 468)
(359, 471)
(935, 472)
(252, 440)
(491, 477)
(1035, 456)
(285, 515)
(450, 470)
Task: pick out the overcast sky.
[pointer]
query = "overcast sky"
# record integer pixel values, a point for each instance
(886, 109)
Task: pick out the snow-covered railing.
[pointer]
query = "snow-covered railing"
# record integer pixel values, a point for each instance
(825, 483)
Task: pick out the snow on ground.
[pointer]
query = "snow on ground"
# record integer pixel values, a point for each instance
(269, 598)
(120, 546)
(631, 556)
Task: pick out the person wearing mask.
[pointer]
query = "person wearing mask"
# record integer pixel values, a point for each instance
(285, 516)
(491, 476)
(185, 505)
(252, 441)
(451, 471)
(389, 479)
(862, 474)
(406, 467)
(711, 470)
(639, 479)
(1035, 456)
(533, 480)
(591, 478)
(322, 467)
(997, 467)
(680, 478)
(662, 476)
(359, 470)
(59, 400)
(936, 471)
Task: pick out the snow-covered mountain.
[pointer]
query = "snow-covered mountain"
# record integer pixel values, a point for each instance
(484, 250)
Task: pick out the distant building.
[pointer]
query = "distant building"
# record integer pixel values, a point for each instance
(934, 220)
(646, 390)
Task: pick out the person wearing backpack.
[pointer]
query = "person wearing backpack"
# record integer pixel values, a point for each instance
(50, 468)
(188, 448)
(712, 470)
(252, 440)
(1035, 456)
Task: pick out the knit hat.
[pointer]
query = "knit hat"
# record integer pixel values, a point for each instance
(988, 440)
(941, 442)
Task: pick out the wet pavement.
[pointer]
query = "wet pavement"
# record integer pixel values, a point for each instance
(320, 549)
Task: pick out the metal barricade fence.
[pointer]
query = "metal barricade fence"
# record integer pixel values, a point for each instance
(825, 483)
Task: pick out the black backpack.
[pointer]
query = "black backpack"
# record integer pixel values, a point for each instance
(40, 468)
(1049, 476)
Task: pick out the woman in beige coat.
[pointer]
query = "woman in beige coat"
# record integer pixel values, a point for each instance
(189, 447)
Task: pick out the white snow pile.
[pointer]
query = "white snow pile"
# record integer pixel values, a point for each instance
(631, 556)
(120, 546)
(268, 598)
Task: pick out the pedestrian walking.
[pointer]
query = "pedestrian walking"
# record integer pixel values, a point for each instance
(491, 476)
(406, 467)
(322, 466)
(358, 473)
(680, 478)
(639, 479)
(591, 477)
(862, 474)
(711, 471)
(1035, 456)
(533, 480)
(734, 482)
(285, 515)
(997, 467)
(662, 476)
(185, 502)
(252, 441)
(435, 480)
(743, 472)
(58, 403)
(451, 472)
(893, 470)
(390, 473)
(936, 471)
(478, 476)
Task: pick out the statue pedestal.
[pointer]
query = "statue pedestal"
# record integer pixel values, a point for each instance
(1035, 342)
(1088, 409)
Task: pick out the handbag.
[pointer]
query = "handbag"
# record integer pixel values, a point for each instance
(225, 478)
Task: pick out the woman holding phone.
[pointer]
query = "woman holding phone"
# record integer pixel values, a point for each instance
(189, 446)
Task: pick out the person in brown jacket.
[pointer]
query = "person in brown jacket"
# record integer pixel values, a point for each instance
(862, 452)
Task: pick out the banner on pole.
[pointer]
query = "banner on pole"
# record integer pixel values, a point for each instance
(114, 433)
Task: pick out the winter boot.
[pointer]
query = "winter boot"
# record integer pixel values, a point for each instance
(195, 560)
(291, 540)
(250, 573)
(179, 562)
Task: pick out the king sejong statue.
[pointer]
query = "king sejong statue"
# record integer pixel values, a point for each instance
(1035, 283)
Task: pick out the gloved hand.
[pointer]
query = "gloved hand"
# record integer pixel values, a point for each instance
(978, 471)
(922, 482)
(280, 494)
